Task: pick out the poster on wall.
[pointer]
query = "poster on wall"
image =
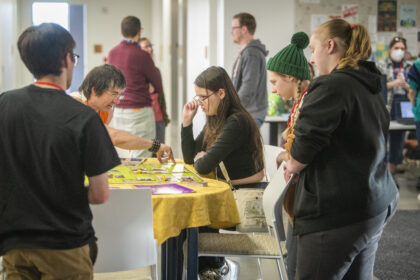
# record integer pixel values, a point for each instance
(407, 16)
(387, 15)
(350, 13)
(317, 20)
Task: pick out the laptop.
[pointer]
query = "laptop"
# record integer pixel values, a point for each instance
(405, 114)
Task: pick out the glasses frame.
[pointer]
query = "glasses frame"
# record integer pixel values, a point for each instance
(76, 58)
(235, 27)
(201, 100)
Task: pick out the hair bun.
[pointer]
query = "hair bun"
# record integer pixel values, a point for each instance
(300, 39)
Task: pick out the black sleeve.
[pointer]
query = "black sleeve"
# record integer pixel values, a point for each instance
(99, 154)
(190, 147)
(321, 114)
(235, 131)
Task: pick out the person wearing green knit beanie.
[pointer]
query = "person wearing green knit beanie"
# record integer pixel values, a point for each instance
(289, 74)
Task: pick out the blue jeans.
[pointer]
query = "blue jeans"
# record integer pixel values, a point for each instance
(342, 253)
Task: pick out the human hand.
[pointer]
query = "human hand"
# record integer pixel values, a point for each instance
(399, 82)
(164, 153)
(151, 88)
(188, 114)
(287, 173)
(199, 155)
(280, 158)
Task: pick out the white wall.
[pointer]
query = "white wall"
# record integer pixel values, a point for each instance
(103, 26)
(198, 40)
(209, 34)
(8, 49)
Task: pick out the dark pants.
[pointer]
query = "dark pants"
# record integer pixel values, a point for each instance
(342, 253)
(291, 247)
(396, 138)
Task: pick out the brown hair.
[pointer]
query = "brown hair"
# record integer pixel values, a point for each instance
(130, 26)
(247, 20)
(398, 39)
(215, 78)
(353, 37)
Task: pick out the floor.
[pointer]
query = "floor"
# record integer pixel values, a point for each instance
(249, 267)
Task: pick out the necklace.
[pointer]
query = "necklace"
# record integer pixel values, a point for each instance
(48, 84)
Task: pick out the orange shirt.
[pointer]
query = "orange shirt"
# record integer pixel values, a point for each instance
(103, 115)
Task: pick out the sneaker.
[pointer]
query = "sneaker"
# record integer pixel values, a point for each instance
(230, 270)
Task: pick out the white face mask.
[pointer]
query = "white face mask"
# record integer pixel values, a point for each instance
(397, 55)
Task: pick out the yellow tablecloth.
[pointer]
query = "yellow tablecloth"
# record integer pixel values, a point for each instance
(212, 206)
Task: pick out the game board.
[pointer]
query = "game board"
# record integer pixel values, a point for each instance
(135, 171)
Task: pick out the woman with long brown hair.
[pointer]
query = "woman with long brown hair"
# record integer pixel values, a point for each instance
(345, 194)
(231, 136)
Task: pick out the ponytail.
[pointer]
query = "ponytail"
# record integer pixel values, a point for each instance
(353, 37)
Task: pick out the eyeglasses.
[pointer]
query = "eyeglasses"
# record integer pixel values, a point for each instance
(115, 95)
(234, 27)
(75, 58)
(201, 99)
(148, 46)
(398, 39)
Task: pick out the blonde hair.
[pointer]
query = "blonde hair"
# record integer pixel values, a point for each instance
(288, 134)
(354, 38)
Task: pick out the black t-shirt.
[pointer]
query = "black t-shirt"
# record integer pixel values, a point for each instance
(233, 146)
(48, 142)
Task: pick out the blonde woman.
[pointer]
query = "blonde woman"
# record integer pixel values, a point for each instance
(345, 193)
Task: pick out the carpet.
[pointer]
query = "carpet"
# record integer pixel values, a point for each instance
(398, 255)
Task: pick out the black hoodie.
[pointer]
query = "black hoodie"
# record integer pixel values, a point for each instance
(341, 136)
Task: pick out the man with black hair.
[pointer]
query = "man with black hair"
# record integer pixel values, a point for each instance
(48, 142)
(134, 113)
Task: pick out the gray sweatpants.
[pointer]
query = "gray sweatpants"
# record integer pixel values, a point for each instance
(342, 253)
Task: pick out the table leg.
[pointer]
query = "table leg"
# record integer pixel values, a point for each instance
(192, 259)
(163, 258)
(273, 133)
(171, 261)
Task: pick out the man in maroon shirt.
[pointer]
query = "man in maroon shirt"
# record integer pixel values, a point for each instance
(134, 113)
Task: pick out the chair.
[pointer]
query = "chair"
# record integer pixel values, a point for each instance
(124, 227)
(2, 273)
(255, 245)
(270, 155)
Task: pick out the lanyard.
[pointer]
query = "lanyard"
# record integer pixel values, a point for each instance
(399, 71)
(293, 109)
(48, 84)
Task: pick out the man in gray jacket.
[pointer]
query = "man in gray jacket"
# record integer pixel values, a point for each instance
(249, 75)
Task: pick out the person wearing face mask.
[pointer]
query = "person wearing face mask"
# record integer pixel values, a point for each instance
(395, 68)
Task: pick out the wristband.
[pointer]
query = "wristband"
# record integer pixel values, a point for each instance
(155, 146)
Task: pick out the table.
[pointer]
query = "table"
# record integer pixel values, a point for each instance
(274, 123)
(213, 206)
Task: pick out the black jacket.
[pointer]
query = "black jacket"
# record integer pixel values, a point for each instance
(341, 136)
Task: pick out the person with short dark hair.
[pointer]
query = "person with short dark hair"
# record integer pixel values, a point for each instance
(249, 75)
(101, 90)
(48, 143)
(134, 113)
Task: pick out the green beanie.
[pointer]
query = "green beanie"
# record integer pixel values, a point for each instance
(291, 60)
